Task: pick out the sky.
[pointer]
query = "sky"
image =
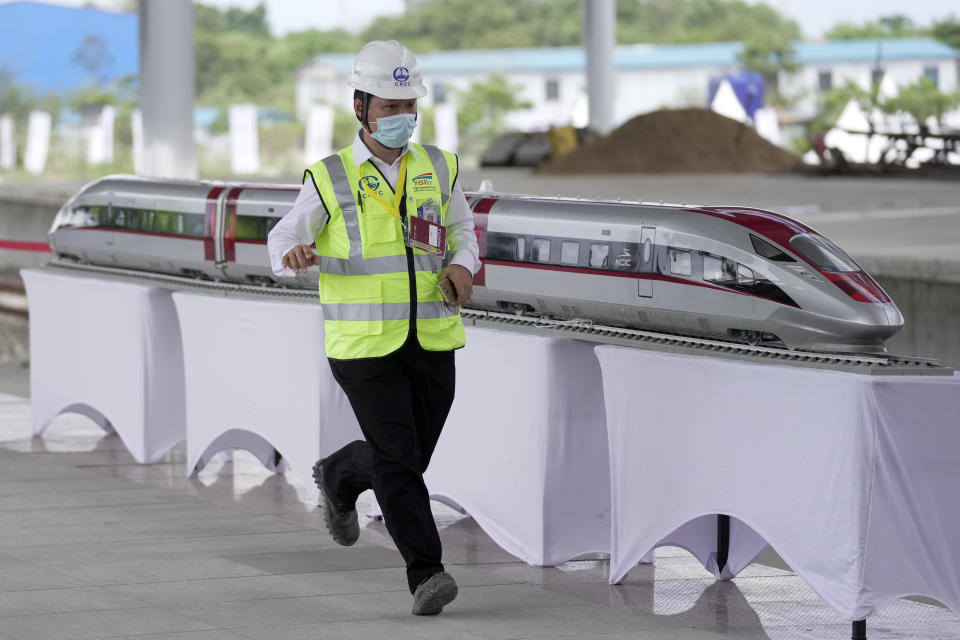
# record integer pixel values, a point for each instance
(814, 16)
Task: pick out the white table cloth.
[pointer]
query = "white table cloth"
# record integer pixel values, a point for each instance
(110, 350)
(853, 479)
(524, 450)
(257, 379)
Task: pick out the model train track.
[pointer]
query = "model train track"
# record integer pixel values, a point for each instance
(867, 363)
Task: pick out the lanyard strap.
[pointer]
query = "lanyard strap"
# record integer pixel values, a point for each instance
(393, 208)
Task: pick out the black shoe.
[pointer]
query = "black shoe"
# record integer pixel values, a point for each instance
(434, 594)
(343, 524)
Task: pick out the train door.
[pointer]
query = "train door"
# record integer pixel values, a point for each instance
(108, 235)
(648, 241)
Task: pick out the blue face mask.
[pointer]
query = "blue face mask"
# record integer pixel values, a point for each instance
(394, 131)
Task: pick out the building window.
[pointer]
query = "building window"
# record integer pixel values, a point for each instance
(439, 93)
(825, 81)
(933, 73)
(876, 75)
(553, 89)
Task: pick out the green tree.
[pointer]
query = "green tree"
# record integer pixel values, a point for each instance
(837, 98)
(254, 21)
(769, 54)
(467, 24)
(923, 100)
(15, 99)
(892, 26)
(93, 55)
(482, 112)
(947, 31)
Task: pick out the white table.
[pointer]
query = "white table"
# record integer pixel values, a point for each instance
(524, 450)
(853, 479)
(257, 379)
(110, 350)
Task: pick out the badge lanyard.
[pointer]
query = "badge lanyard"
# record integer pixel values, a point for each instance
(418, 233)
(398, 194)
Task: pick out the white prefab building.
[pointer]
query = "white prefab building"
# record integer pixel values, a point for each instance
(648, 77)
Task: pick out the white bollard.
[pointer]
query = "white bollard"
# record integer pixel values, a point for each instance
(8, 150)
(319, 136)
(38, 142)
(445, 123)
(244, 139)
(136, 128)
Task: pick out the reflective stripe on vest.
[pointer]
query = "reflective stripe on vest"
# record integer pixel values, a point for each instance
(443, 173)
(385, 311)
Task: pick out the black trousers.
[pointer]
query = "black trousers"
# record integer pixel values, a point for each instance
(401, 401)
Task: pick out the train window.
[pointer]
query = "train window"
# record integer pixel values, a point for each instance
(599, 256)
(823, 253)
(719, 270)
(165, 222)
(254, 227)
(134, 219)
(193, 224)
(500, 246)
(541, 250)
(521, 248)
(768, 251)
(89, 215)
(251, 228)
(681, 263)
(570, 252)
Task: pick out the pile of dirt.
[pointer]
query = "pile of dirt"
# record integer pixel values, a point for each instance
(676, 141)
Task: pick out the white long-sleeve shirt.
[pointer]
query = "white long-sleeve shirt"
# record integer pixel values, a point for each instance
(304, 222)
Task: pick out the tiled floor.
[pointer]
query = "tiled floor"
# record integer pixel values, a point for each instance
(93, 545)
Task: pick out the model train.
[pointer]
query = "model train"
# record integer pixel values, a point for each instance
(715, 272)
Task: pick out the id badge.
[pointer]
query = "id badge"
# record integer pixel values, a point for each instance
(427, 236)
(429, 210)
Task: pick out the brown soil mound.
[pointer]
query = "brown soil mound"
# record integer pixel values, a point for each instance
(676, 141)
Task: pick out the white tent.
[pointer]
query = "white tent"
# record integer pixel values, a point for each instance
(726, 103)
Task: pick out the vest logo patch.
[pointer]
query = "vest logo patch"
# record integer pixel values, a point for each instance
(372, 182)
(423, 182)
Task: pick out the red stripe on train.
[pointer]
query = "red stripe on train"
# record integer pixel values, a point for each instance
(209, 247)
(22, 245)
(230, 234)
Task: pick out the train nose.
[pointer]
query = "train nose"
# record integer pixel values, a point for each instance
(893, 315)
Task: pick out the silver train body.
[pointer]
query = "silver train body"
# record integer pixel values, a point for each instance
(714, 272)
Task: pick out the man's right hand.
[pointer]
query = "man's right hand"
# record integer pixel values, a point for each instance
(300, 258)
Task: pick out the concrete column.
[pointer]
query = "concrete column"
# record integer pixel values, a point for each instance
(166, 88)
(599, 40)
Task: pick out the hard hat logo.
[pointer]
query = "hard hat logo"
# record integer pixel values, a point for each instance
(387, 69)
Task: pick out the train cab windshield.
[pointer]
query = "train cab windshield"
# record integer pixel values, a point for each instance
(823, 253)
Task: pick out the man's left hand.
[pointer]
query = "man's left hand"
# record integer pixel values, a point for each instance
(462, 281)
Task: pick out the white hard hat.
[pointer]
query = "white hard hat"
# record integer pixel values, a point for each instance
(387, 69)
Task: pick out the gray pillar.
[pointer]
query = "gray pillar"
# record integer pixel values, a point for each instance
(166, 88)
(599, 40)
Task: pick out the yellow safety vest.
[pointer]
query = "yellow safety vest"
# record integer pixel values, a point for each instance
(365, 270)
